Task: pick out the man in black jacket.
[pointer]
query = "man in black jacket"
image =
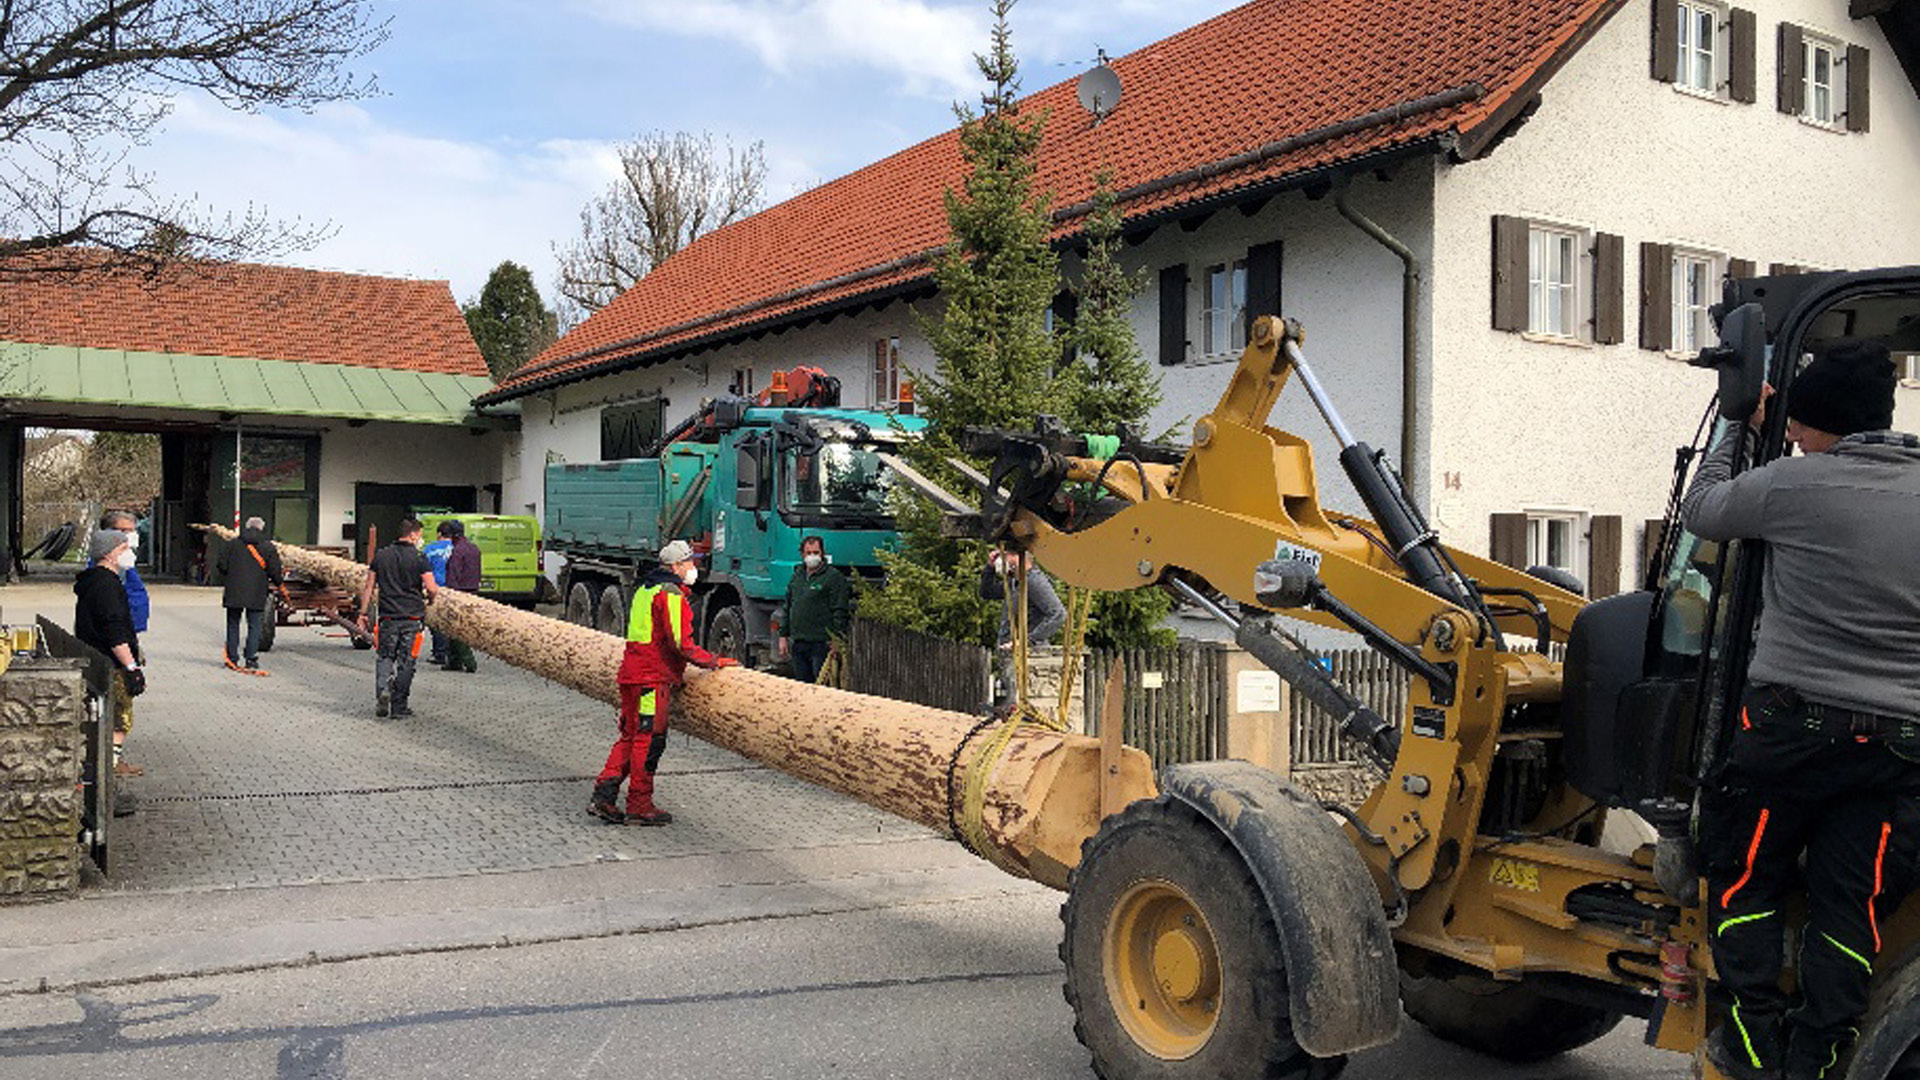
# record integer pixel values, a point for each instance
(404, 580)
(251, 567)
(102, 618)
(463, 575)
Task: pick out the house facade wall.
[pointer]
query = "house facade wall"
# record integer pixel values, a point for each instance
(1527, 424)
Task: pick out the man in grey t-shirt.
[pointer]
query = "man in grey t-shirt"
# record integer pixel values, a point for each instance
(1825, 758)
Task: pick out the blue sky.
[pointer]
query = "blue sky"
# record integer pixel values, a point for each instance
(496, 118)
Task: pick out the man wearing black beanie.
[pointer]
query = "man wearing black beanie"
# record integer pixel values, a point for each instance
(1825, 758)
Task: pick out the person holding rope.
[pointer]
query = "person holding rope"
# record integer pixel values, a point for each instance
(250, 565)
(1045, 614)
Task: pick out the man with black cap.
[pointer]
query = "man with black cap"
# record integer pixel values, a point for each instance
(1825, 758)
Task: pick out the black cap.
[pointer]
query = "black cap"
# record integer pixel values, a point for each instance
(1846, 390)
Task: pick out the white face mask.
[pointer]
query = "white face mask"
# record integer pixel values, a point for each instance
(812, 560)
(692, 575)
(126, 559)
(133, 540)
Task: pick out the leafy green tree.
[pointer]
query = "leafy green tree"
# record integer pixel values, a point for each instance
(509, 321)
(996, 364)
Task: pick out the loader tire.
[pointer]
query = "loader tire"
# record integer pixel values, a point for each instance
(1507, 1021)
(1174, 965)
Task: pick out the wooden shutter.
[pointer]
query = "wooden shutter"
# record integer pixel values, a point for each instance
(1743, 33)
(1263, 282)
(1777, 269)
(1656, 296)
(1740, 269)
(1510, 273)
(1651, 533)
(1792, 70)
(1666, 39)
(1603, 555)
(1173, 315)
(1509, 546)
(1857, 112)
(1609, 289)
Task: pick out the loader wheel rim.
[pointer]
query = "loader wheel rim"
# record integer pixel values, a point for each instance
(1162, 970)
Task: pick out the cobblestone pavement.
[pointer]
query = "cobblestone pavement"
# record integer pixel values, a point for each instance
(289, 779)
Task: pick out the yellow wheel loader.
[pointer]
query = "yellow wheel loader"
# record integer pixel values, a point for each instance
(1235, 927)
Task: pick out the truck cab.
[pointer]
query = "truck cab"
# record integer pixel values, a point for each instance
(743, 483)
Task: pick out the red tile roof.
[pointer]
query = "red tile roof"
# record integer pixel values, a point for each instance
(246, 310)
(1255, 98)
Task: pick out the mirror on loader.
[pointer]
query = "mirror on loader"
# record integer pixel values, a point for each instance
(749, 472)
(1741, 360)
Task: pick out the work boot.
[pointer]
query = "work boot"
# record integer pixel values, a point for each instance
(1810, 1057)
(601, 804)
(652, 815)
(1746, 1048)
(401, 712)
(382, 705)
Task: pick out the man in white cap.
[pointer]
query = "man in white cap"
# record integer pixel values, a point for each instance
(659, 646)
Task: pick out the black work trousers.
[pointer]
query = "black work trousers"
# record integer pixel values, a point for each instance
(1852, 805)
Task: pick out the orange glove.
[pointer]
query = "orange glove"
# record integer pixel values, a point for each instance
(725, 662)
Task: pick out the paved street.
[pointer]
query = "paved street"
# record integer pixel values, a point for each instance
(309, 892)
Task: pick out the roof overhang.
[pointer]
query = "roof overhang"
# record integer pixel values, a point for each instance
(1900, 21)
(890, 284)
(48, 379)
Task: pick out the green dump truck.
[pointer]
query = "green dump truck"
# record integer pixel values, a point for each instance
(742, 483)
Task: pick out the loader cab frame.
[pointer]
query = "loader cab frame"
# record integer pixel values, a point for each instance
(1652, 676)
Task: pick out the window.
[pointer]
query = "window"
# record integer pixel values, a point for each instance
(1820, 65)
(1224, 316)
(742, 381)
(629, 431)
(1557, 538)
(1553, 292)
(1698, 66)
(886, 372)
(1694, 277)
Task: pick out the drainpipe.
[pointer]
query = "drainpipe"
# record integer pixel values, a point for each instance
(1409, 343)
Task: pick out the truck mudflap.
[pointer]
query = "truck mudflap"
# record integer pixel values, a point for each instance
(1341, 975)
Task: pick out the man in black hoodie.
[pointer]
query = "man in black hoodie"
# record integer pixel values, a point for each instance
(251, 567)
(102, 617)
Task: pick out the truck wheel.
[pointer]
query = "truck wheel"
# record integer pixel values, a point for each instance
(266, 634)
(1174, 968)
(610, 613)
(1507, 1021)
(727, 634)
(580, 603)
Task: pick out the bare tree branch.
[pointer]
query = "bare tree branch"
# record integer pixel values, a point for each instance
(672, 189)
(82, 81)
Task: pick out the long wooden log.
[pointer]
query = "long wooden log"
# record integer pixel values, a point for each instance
(1043, 795)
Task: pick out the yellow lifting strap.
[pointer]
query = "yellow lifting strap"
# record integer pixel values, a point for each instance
(972, 817)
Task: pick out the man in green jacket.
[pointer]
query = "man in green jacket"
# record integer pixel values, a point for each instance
(816, 611)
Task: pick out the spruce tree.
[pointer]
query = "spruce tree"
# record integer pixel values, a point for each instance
(1116, 386)
(509, 321)
(995, 362)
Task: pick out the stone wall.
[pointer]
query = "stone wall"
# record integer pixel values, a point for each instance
(42, 747)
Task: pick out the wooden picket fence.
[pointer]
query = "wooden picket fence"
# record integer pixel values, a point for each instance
(1176, 699)
(892, 661)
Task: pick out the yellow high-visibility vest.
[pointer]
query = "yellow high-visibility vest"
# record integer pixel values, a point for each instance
(640, 620)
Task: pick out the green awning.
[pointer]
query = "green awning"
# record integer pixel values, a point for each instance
(65, 374)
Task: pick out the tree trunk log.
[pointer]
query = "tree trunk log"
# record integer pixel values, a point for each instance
(1043, 795)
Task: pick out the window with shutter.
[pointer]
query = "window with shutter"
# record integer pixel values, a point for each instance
(629, 431)
(1223, 315)
(886, 372)
(1553, 276)
(1740, 269)
(1696, 285)
(1173, 315)
(1699, 52)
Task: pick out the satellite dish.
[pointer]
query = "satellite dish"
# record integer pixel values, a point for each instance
(1100, 91)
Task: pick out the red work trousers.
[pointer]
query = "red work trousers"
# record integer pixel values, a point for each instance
(643, 738)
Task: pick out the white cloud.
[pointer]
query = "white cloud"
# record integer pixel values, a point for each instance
(400, 203)
(926, 47)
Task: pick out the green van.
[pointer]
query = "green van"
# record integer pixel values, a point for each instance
(509, 553)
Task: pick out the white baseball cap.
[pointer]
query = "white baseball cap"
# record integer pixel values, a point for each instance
(676, 551)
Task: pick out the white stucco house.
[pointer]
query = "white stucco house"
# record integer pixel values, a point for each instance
(1569, 182)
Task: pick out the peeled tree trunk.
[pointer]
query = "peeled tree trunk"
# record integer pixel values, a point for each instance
(1042, 796)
